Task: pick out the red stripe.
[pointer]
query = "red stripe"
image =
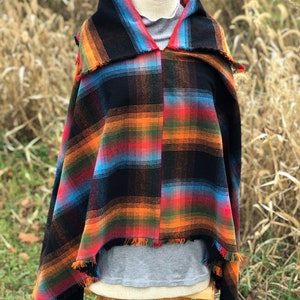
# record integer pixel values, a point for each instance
(182, 113)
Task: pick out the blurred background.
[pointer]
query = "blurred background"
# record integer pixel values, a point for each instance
(37, 59)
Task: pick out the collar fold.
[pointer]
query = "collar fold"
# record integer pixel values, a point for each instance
(116, 31)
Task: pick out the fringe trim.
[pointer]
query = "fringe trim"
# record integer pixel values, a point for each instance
(86, 266)
(217, 270)
(152, 242)
(227, 255)
(81, 264)
(239, 68)
(137, 242)
(88, 281)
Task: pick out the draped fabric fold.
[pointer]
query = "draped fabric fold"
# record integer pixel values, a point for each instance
(148, 155)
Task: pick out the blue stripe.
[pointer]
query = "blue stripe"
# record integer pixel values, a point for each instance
(200, 186)
(92, 81)
(184, 32)
(104, 168)
(175, 96)
(72, 197)
(139, 40)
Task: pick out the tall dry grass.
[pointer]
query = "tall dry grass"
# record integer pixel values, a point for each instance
(267, 38)
(36, 65)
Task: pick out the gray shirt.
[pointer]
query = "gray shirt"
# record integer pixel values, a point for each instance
(143, 266)
(162, 29)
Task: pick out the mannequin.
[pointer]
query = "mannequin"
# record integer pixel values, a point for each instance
(153, 10)
(149, 162)
(156, 9)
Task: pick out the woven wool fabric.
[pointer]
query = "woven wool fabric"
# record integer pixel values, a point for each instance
(149, 155)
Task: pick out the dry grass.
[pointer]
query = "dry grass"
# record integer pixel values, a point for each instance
(36, 67)
(37, 62)
(269, 95)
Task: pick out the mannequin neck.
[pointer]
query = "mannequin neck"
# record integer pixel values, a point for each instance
(156, 9)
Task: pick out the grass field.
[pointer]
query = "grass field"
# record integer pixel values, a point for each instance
(37, 57)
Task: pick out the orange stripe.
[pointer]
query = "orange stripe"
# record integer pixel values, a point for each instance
(66, 259)
(93, 224)
(99, 56)
(195, 137)
(89, 145)
(183, 222)
(134, 118)
(86, 46)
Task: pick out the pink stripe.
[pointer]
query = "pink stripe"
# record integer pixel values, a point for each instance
(174, 41)
(185, 200)
(186, 113)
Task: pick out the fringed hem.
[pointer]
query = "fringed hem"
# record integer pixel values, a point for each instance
(238, 67)
(228, 255)
(153, 242)
(84, 263)
(87, 266)
(217, 270)
(88, 281)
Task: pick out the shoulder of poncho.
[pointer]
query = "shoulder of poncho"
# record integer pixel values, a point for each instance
(92, 53)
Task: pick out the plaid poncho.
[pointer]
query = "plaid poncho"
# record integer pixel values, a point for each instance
(149, 154)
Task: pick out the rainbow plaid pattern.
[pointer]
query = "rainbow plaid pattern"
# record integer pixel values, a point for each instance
(151, 149)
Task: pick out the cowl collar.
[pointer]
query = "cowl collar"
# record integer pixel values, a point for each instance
(116, 31)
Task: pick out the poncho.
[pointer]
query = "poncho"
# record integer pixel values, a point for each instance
(148, 155)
